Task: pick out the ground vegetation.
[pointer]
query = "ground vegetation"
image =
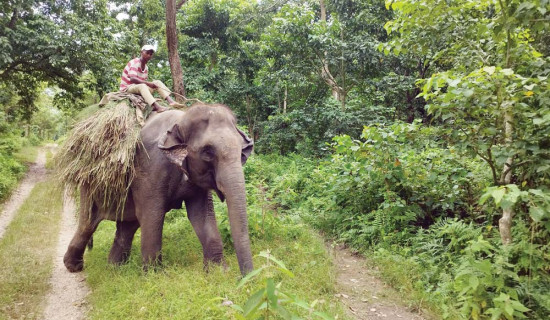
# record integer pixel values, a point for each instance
(414, 130)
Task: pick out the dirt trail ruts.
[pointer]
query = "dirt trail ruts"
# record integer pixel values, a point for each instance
(37, 173)
(364, 294)
(67, 297)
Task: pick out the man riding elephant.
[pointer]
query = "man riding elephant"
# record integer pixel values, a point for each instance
(134, 80)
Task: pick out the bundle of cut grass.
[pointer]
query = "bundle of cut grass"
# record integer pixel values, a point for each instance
(99, 153)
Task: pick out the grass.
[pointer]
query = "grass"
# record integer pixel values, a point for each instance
(27, 154)
(182, 290)
(50, 159)
(99, 152)
(26, 252)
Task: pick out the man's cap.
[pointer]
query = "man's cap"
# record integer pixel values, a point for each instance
(148, 47)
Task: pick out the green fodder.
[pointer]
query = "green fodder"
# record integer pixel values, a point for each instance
(99, 153)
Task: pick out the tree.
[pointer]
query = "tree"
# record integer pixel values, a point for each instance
(53, 42)
(172, 43)
(493, 91)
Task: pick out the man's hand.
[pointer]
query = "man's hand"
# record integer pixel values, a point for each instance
(152, 85)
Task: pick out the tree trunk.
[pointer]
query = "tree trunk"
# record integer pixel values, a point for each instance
(251, 119)
(172, 43)
(337, 92)
(505, 222)
(285, 99)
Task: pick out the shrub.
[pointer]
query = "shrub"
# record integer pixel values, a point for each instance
(10, 172)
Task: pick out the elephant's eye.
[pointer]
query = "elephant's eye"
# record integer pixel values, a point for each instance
(208, 154)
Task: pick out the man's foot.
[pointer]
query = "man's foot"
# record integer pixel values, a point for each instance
(177, 105)
(158, 108)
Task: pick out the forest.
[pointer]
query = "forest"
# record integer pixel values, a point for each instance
(417, 132)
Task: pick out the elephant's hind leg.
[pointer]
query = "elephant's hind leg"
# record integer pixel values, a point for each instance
(87, 224)
(120, 251)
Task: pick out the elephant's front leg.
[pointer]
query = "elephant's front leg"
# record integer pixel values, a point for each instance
(151, 219)
(200, 211)
(120, 251)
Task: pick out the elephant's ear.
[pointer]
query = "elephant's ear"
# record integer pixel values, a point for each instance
(172, 145)
(247, 144)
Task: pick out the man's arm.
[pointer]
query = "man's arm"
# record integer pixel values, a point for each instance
(139, 81)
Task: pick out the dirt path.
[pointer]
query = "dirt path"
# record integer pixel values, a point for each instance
(67, 298)
(364, 294)
(37, 173)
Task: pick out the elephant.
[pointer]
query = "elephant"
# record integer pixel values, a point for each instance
(183, 157)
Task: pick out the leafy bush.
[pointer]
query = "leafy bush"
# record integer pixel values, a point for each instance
(381, 189)
(307, 130)
(413, 200)
(10, 172)
(270, 300)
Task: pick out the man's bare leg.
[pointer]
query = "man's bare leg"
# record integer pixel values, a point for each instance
(158, 108)
(173, 103)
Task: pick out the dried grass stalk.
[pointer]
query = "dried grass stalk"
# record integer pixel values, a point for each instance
(99, 153)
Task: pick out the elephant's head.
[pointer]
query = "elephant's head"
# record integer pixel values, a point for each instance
(209, 148)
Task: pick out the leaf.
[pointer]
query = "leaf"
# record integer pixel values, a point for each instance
(538, 121)
(473, 282)
(254, 302)
(271, 297)
(519, 306)
(453, 82)
(509, 309)
(489, 70)
(323, 315)
(249, 276)
(498, 194)
(537, 213)
(468, 93)
(486, 195)
(282, 266)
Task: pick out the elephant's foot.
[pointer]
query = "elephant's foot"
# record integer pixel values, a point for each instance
(152, 263)
(210, 264)
(118, 255)
(214, 259)
(73, 264)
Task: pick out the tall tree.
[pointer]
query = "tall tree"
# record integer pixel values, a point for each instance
(493, 90)
(54, 42)
(172, 43)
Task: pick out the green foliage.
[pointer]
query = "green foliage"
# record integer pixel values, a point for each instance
(405, 181)
(10, 172)
(415, 201)
(54, 42)
(270, 300)
(309, 129)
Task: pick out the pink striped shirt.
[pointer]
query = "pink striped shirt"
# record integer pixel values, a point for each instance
(132, 69)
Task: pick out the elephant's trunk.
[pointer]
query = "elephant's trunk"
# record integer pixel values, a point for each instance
(230, 181)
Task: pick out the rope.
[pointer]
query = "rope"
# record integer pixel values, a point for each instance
(185, 98)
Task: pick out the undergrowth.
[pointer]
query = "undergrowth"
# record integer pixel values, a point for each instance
(412, 203)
